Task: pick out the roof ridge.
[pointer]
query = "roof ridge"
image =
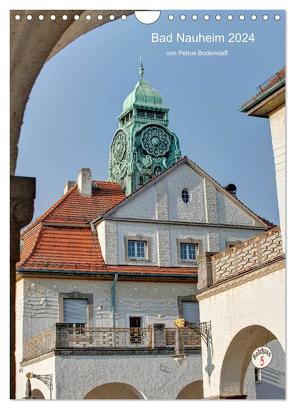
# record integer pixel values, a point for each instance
(49, 211)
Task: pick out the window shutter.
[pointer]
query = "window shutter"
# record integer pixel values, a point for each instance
(75, 311)
(191, 311)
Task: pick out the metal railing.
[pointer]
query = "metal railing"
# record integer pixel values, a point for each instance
(271, 81)
(87, 337)
(189, 337)
(70, 336)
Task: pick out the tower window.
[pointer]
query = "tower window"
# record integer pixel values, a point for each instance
(141, 113)
(150, 114)
(160, 115)
(185, 195)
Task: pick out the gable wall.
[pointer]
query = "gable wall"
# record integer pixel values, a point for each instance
(163, 201)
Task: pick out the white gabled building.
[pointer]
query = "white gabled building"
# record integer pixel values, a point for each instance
(109, 267)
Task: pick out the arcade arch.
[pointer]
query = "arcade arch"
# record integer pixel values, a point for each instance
(238, 357)
(193, 390)
(114, 390)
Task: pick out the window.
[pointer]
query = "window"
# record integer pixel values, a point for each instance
(150, 114)
(135, 332)
(188, 251)
(75, 311)
(190, 311)
(160, 115)
(141, 113)
(75, 314)
(185, 195)
(137, 249)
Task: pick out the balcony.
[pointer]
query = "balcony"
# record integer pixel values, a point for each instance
(65, 338)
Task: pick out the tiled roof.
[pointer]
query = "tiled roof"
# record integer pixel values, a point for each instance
(75, 208)
(62, 240)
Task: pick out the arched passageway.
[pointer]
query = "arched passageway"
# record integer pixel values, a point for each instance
(238, 357)
(193, 390)
(114, 390)
(37, 394)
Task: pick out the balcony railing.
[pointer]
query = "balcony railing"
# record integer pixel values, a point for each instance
(68, 336)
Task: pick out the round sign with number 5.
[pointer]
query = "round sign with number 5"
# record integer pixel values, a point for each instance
(261, 357)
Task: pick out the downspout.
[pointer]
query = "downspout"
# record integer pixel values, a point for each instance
(113, 294)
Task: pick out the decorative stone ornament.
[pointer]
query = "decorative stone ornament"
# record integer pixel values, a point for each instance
(119, 146)
(155, 141)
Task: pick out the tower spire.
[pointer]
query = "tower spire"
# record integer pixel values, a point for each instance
(141, 68)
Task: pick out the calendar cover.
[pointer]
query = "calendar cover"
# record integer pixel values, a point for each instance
(147, 204)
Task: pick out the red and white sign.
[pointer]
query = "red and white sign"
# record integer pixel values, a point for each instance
(261, 357)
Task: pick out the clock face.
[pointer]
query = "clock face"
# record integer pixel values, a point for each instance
(155, 140)
(119, 146)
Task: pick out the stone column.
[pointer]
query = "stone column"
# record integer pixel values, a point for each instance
(22, 195)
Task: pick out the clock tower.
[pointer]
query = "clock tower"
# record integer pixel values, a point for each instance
(143, 146)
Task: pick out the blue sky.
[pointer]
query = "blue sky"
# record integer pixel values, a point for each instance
(72, 113)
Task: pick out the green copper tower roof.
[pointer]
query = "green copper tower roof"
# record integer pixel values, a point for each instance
(143, 95)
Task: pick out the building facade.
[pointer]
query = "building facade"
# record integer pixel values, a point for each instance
(246, 285)
(109, 267)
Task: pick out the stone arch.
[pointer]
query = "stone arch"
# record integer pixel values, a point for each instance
(238, 357)
(37, 394)
(33, 45)
(114, 390)
(193, 390)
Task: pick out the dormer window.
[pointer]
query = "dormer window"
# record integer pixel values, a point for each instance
(137, 249)
(185, 195)
(188, 251)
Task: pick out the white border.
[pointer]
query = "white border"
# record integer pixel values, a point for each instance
(4, 166)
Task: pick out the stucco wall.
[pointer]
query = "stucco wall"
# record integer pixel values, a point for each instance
(163, 240)
(240, 307)
(277, 126)
(155, 302)
(155, 377)
(207, 204)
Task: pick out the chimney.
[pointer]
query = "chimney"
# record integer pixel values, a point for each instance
(84, 182)
(232, 189)
(69, 184)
